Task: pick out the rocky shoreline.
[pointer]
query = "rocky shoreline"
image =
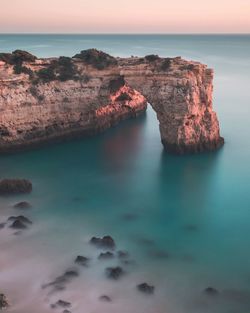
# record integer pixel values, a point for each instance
(56, 99)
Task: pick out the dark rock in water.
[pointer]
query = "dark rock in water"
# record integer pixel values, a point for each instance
(211, 291)
(114, 272)
(63, 304)
(122, 254)
(105, 298)
(2, 225)
(20, 218)
(106, 242)
(144, 287)
(19, 222)
(59, 283)
(66, 311)
(18, 225)
(71, 274)
(22, 205)
(15, 186)
(82, 260)
(105, 255)
(4, 304)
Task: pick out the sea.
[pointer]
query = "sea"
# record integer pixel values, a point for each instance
(184, 220)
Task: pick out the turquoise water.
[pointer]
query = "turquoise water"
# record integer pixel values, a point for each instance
(196, 208)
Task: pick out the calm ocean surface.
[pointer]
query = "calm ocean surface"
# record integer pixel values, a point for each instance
(195, 209)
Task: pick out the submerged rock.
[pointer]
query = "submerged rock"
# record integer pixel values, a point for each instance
(19, 222)
(63, 304)
(4, 304)
(106, 255)
(114, 272)
(122, 254)
(211, 291)
(22, 205)
(15, 186)
(59, 283)
(145, 288)
(82, 260)
(105, 298)
(106, 242)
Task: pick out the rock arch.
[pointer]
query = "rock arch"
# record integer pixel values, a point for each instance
(181, 96)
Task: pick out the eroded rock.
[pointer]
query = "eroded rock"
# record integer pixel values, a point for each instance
(15, 186)
(211, 291)
(106, 242)
(22, 205)
(82, 260)
(114, 272)
(105, 298)
(146, 288)
(106, 255)
(114, 89)
(19, 222)
(4, 304)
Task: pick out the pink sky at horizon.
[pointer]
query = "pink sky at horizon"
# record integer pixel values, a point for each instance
(130, 16)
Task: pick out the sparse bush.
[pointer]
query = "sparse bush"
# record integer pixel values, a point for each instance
(96, 58)
(166, 64)
(152, 57)
(46, 74)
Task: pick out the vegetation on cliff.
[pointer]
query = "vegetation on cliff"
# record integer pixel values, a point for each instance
(96, 58)
(62, 69)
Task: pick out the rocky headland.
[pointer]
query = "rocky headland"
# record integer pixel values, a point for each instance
(44, 100)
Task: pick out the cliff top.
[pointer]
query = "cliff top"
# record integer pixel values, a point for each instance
(20, 65)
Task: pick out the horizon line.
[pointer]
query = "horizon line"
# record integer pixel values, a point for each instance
(122, 33)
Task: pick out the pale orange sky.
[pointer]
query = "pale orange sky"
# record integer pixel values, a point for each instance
(127, 16)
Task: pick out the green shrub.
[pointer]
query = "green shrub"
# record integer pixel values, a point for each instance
(96, 58)
(166, 64)
(152, 57)
(46, 74)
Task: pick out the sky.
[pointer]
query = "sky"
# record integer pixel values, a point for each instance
(124, 16)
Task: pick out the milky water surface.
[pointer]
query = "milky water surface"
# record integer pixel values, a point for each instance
(185, 221)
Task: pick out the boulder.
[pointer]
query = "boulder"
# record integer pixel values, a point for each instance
(145, 288)
(19, 222)
(63, 304)
(81, 260)
(106, 255)
(114, 272)
(211, 291)
(15, 186)
(106, 242)
(3, 302)
(22, 205)
(105, 298)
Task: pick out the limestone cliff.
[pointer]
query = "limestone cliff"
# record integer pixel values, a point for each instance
(52, 99)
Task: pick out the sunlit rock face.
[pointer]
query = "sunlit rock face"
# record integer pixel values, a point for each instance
(181, 94)
(44, 100)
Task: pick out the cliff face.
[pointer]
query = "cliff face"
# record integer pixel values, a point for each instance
(49, 99)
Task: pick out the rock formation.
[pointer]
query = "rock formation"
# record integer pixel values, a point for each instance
(44, 100)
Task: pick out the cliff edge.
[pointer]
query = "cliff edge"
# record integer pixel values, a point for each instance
(44, 100)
